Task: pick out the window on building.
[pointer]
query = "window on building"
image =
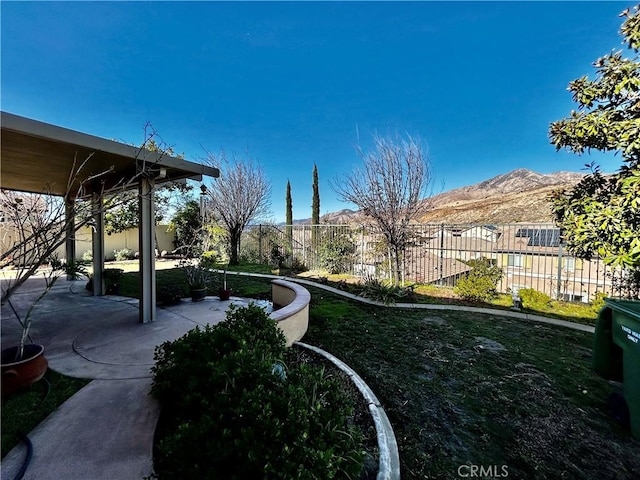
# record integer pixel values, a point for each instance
(515, 260)
(569, 264)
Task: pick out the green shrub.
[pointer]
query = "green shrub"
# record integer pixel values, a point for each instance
(480, 284)
(336, 253)
(277, 257)
(87, 256)
(598, 301)
(233, 403)
(484, 267)
(475, 288)
(124, 254)
(298, 266)
(211, 257)
(533, 299)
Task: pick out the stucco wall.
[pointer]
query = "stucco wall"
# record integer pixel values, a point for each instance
(293, 314)
(118, 241)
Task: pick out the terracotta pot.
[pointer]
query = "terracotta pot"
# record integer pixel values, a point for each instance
(18, 374)
(224, 294)
(198, 294)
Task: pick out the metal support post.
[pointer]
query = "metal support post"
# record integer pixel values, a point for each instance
(146, 231)
(558, 290)
(97, 243)
(70, 227)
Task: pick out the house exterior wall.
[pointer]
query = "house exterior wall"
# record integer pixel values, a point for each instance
(579, 280)
(483, 233)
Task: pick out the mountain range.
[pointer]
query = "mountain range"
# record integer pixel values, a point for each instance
(517, 196)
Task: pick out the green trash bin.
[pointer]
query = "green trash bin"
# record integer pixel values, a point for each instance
(616, 355)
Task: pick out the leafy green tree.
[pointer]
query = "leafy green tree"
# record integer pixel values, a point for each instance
(187, 226)
(121, 210)
(289, 220)
(601, 215)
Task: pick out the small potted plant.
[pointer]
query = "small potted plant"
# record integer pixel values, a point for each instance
(198, 277)
(24, 364)
(224, 293)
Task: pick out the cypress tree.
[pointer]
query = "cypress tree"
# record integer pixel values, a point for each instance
(315, 205)
(289, 220)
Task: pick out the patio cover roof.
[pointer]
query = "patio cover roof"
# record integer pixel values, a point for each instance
(37, 156)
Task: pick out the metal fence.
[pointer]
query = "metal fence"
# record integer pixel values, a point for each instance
(530, 255)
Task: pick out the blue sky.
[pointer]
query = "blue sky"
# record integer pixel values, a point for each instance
(301, 82)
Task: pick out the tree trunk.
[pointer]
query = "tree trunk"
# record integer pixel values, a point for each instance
(394, 265)
(234, 239)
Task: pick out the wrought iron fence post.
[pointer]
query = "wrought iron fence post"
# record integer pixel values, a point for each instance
(362, 250)
(440, 280)
(558, 288)
(304, 245)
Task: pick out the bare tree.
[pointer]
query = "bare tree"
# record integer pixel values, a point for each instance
(389, 189)
(240, 195)
(36, 224)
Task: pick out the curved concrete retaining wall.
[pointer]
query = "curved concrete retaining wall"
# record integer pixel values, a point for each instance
(292, 301)
(389, 463)
(424, 306)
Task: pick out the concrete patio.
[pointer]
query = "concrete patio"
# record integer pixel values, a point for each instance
(106, 430)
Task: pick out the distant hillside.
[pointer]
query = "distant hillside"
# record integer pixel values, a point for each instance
(517, 196)
(341, 217)
(516, 181)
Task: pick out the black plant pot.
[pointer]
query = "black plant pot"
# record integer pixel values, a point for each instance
(198, 294)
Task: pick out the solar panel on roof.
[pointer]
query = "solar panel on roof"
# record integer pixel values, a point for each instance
(540, 237)
(524, 232)
(545, 238)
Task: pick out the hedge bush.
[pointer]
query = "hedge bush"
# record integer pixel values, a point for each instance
(480, 284)
(533, 299)
(475, 289)
(233, 403)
